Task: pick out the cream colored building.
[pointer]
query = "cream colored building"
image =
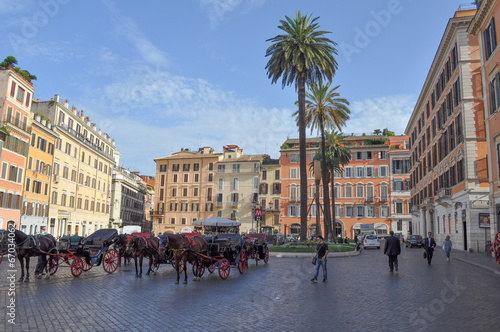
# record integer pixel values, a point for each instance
(184, 189)
(238, 179)
(81, 178)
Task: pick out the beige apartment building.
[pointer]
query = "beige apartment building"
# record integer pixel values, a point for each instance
(238, 179)
(184, 189)
(81, 177)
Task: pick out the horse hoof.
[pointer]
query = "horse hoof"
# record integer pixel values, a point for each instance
(176, 282)
(185, 282)
(194, 278)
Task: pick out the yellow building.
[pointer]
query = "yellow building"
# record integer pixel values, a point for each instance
(83, 163)
(184, 189)
(269, 194)
(37, 181)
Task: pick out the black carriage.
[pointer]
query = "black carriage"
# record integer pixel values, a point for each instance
(223, 250)
(81, 254)
(256, 247)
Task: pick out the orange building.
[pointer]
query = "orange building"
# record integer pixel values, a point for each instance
(16, 94)
(449, 175)
(362, 190)
(483, 25)
(37, 182)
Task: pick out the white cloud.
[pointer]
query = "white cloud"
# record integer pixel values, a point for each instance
(392, 112)
(218, 9)
(152, 114)
(15, 6)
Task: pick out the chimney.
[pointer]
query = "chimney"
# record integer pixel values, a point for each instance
(56, 98)
(81, 115)
(100, 131)
(66, 104)
(94, 126)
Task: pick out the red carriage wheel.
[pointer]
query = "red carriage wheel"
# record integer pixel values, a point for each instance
(211, 268)
(52, 265)
(86, 266)
(77, 267)
(266, 256)
(224, 268)
(243, 262)
(110, 261)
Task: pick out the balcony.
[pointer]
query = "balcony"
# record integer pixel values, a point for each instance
(234, 203)
(428, 201)
(85, 141)
(14, 123)
(158, 213)
(294, 199)
(218, 203)
(444, 193)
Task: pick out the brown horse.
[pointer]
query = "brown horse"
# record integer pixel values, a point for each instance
(140, 247)
(121, 245)
(28, 246)
(185, 250)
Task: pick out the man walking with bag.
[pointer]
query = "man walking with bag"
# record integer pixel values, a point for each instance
(392, 249)
(322, 252)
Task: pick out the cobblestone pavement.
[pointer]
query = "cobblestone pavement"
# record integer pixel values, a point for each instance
(360, 295)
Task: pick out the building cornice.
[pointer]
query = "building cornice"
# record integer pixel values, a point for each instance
(482, 13)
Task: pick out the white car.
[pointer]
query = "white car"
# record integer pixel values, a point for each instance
(371, 241)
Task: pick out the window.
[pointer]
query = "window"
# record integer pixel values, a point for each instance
(293, 173)
(175, 167)
(348, 190)
(195, 193)
(255, 182)
(163, 168)
(277, 174)
(234, 198)
(348, 211)
(210, 166)
(370, 211)
(276, 188)
(236, 183)
(383, 211)
(184, 191)
(398, 185)
(399, 207)
(197, 178)
(221, 168)
(494, 90)
(236, 168)
(186, 167)
(359, 211)
(336, 191)
(20, 94)
(383, 192)
(293, 158)
(196, 167)
(360, 171)
(382, 171)
(369, 192)
(293, 211)
(369, 155)
(186, 177)
(348, 172)
(370, 171)
(220, 184)
(490, 41)
(359, 190)
(293, 193)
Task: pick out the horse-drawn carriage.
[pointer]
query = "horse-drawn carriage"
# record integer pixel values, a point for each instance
(223, 250)
(256, 247)
(83, 254)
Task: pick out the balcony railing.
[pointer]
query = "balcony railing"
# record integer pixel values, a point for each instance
(218, 203)
(158, 213)
(294, 199)
(16, 122)
(428, 201)
(444, 193)
(234, 203)
(85, 141)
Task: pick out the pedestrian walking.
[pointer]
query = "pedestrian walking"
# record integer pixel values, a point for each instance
(429, 245)
(496, 248)
(447, 247)
(322, 251)
(392, 248)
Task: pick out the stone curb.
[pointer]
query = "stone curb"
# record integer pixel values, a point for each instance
(496, 271)
(310, 254)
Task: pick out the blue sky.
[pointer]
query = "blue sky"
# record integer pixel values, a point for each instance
(166, 75)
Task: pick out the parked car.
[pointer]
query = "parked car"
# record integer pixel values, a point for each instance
(414, 241)
(371, 241)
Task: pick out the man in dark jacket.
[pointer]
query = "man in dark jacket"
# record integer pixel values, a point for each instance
(429, 245)
(392, 249)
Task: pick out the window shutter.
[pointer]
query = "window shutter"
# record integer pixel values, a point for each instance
(13, 89)
(493, 34)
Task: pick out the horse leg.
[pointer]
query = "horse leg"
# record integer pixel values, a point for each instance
(135, 261)
(177, 262)
(184, 263)
(150, 264)
(141, 256)
(21, 260)
(27, 279)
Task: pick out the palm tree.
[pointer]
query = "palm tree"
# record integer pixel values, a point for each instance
(377, 132)
(337, 156)
(325, 109)
(301, 55)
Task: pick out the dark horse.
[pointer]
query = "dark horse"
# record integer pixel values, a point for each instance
(185, 250)
(123, 251)
(28, 246)
(141, 246)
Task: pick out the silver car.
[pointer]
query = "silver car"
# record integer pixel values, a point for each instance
(371, 241)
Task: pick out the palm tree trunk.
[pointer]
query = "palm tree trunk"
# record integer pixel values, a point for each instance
(303, 155)
(324, 177)
(318, 224)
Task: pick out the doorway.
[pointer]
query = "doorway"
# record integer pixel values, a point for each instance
(465, 234)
